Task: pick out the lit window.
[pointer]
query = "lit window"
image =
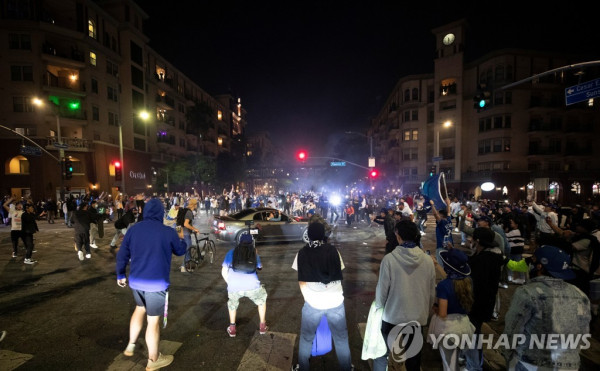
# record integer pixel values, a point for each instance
(576, 188)
(596, 188)
(93, 60)
(91, 29)
(415, 135)
(220, 115)
(18, 165)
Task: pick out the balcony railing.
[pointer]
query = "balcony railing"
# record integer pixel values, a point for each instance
(63, 52)
(54, 81)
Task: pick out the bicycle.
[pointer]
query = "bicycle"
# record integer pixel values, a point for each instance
(196, 255)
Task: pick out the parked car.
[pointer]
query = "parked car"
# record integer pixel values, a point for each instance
(270, 224)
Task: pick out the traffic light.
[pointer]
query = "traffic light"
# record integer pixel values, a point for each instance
(301, 155)
(118, 171)
(482, 98)
(68, 168)
(432, 170)
(373, 173)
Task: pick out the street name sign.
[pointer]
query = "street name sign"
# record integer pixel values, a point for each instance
(30, 151)
(437, 159)
(60, 145)
(337, 163)
(582, 92)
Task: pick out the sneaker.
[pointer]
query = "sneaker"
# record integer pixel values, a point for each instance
(263, 328)
(296, 367)
(80, 255)
(2, 335)
(105, 222)
(33, 251)
(129, 350)
(88, 256)
(14, 255)
(502, 285)
(182, 270)
(29, 261)
(161, 361)
(231, 331)
(519, 281)
(93, 246)
(495, 316)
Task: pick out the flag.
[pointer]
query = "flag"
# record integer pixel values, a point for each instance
(432, 190)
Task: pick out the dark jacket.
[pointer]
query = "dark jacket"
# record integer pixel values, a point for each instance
(82, 220)
(319, 264)
(485, 272)
(149, 246)
(28, 223)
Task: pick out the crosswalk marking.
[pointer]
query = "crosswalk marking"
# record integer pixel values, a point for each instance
(269, 352)
(139, 360)
(10, 360)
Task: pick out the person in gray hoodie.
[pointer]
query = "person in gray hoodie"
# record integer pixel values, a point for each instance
(405, 290)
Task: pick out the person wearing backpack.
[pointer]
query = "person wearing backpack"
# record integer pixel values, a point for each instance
(185, 219)
(239, 272)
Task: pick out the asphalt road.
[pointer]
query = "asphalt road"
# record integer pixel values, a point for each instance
(66, 314)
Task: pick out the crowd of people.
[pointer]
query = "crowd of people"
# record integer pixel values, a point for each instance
(551, 252)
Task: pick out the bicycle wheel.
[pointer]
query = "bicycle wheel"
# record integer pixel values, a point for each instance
(211, 251)
(192, 263)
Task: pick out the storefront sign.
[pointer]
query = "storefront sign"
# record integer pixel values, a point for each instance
(138, 175)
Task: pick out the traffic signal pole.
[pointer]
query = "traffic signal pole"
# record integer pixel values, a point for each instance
(121, 155)
(61, 157)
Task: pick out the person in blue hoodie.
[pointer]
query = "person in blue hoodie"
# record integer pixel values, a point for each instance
(149, 245)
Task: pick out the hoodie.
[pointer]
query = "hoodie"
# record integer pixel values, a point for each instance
(149, 245)
(406, 286)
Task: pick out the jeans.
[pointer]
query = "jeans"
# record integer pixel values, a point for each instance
(28, 240)
(381, 363)
(116, 237)
(336, 318)
(188, 242)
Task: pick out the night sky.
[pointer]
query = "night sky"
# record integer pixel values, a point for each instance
(309, 70)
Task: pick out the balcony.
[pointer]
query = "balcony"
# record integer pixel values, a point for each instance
(165, 102)
(62, 83)
(543, 151)
(63, 55)
(74, 144)
(544, 126)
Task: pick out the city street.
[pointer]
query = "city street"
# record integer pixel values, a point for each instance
(66, 314)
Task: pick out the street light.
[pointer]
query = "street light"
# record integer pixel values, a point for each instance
(61, 151)
(446, 124)
(144, 115)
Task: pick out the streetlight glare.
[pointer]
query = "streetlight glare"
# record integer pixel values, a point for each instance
(37, 101)
(144, 115)
(448, 123)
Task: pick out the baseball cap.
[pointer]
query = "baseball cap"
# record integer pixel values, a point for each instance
(485, 218)
(555, 261)
(485, 237)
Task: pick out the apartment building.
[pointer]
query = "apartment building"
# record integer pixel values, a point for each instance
(100, 91)
(526, 141)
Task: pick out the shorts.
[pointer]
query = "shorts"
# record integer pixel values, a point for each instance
(258, 296)
(154, 302)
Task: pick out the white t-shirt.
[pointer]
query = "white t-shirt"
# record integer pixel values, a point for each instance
(15, 217)
(323, 296)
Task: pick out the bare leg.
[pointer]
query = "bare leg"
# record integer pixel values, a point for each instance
(232, 314)
(136, 324)
(153, 337)
(262, 310)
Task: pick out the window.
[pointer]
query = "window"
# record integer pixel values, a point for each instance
(181, 107)
(18, 165)
(137, 77)
(414, 115)
(219, 115)
(92, 29)
(406, 136)
(497, 145)
(181, 142)
(139, 144)
(412, 134)
(410, 154)
(507, 122)
(95, 113)
(113, 119)
(111, 93)
(415, 94)
(93, 60)
(576, 187)
(406, 116)
(508, 97)
(498, 122)
(415, 135)
(499, 73)
(181, 125)
(21, 73)
(94, 86)
(22, 104)
(19, 41)
(407, 95)
(112, 69)
(136, 53)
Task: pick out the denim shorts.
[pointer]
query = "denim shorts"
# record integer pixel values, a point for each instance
(154, 302)
(258, 296)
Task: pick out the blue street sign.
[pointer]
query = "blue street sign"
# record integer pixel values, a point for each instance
(337, 163)
(582, 92)
(437, 159)
(60, 145)
(30, 151)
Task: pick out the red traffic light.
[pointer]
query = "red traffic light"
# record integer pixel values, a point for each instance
(301, 155)
(117, 164)
(373, 173)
